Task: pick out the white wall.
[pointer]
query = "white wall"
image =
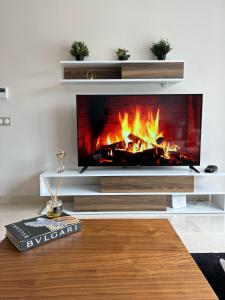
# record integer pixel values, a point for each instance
(36, 34)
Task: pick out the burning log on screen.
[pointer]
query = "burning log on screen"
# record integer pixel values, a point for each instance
(117, 145)
(135, 139)
(117, 155)
(101, 154)
(160, 140)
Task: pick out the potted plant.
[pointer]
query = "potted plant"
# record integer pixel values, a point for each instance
(161, 49)
(79, 50)
(123, 54)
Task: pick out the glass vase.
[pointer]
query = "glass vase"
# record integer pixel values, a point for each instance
(54, 208)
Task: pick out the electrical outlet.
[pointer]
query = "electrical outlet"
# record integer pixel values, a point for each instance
(4, 93)
(5, 121)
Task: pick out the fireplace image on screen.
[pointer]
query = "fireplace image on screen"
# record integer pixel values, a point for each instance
(145, 130)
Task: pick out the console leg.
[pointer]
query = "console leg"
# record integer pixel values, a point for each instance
(194, 169)
(83, 169)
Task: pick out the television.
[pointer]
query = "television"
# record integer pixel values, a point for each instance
(139, 130)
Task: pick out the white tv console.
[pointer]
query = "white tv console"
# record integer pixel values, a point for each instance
(88, 183)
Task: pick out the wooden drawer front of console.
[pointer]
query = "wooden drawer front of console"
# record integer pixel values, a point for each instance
(143, 184)
(98, 73)
(153, 70)
(120, 203)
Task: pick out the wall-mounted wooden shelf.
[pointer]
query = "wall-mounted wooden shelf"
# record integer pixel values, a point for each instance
(136, 71)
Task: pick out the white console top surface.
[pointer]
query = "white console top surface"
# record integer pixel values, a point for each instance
(129, 171)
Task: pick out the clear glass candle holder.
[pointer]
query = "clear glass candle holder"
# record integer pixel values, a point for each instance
(54, 208)
(61, 155)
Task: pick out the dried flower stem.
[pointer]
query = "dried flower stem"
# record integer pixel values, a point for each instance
(53, 197)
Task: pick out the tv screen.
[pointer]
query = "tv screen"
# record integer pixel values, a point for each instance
(139, 130)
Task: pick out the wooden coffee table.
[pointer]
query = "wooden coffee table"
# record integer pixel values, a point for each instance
(109, 259)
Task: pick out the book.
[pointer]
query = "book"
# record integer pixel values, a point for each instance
(31, 233)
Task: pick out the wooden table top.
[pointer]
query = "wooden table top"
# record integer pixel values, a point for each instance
(109, 259)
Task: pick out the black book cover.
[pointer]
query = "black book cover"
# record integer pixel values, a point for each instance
(31, 233)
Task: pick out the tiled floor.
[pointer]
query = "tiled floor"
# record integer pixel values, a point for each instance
(199, 233)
